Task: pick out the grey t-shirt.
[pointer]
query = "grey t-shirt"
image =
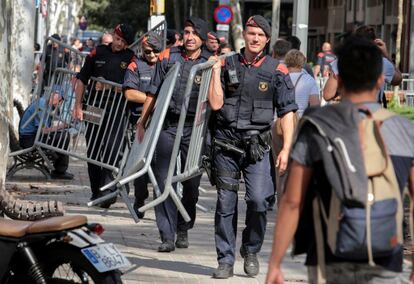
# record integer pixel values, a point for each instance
(398, 134)
(304, 88)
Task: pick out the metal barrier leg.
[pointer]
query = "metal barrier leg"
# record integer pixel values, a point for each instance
(153, 180)
(104, 198)
(202, 189)
(44, 156)
(202, 208)
(125, 198)
(180, 206)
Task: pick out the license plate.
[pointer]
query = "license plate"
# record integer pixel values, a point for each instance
(105, 257)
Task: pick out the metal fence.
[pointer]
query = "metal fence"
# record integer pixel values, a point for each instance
(138, 162)
(160, 29)
(103, 130)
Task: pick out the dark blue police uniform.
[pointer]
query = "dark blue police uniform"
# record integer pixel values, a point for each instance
(166, 213)
(138, 77)
(244, 121)
(103, 62)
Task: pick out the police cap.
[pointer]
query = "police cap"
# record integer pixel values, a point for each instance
(259, 22)
(125, 31)
(213, 35)
(199, 25)
(153, 40)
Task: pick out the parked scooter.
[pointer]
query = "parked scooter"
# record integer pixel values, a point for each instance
(57, 250)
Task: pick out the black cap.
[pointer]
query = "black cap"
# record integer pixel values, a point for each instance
(125, 31)
(171, 36)
(259, 22)
(153, 40)
(56, 36)
(200, 26)
(213, 35)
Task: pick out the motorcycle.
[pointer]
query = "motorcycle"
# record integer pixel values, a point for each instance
(58, 250)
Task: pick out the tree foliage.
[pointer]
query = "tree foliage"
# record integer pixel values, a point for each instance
(106, 14)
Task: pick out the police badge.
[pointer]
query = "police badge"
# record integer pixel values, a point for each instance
(197, 79)
(124, 65)
(263, 86)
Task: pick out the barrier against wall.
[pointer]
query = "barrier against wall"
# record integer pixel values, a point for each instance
(140, 156)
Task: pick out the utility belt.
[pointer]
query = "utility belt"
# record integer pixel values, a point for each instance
(171, 120)
(252, 145)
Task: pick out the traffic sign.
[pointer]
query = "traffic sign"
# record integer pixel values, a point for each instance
(223, 14)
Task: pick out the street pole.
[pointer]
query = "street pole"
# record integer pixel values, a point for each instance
(237, 26)
(411, 55)
(275, 21)
(157, 13)
(300, 23)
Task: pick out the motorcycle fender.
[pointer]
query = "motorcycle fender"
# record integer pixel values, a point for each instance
(84, 238)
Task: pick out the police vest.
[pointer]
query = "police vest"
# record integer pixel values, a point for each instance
(177, 98)
(145, 73)
(111, 65)
(249, 105)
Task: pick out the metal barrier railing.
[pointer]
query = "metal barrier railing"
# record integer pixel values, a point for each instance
(160, 29)
(140, 156)
(103, 130)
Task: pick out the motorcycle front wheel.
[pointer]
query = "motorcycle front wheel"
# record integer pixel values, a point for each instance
(65, 264)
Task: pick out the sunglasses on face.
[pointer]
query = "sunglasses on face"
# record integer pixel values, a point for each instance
(149, 51)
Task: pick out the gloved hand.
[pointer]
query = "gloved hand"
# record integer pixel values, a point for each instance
(256, 151)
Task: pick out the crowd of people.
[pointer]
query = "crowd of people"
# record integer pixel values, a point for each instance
(257, 98)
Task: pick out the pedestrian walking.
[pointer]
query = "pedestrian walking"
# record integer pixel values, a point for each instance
(136, 85)
(333, 179)
(244, 92)
(192, 52)
(109, 62)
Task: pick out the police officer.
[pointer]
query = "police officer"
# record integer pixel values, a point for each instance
(191, 53)
(244, 91)
(110, 62)
(136, 85)
(213, 43)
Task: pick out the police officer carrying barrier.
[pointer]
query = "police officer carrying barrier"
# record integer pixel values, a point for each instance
(244, 91)
(136, 84)
(191, 53)
(110, 62)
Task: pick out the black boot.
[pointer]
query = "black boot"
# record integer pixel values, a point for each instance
(166, 246)
(182, 239)
(251, 264)
(223, 271)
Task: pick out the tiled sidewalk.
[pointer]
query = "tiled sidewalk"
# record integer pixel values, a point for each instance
(140, 241)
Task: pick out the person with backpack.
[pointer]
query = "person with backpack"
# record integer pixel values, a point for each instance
(351, 162)
(137, 82)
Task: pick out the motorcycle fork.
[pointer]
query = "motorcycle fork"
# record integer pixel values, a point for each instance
(34, 270)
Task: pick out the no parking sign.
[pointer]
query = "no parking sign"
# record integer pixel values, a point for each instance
(223, 14)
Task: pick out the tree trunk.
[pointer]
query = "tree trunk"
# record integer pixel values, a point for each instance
(398, 46)
(5, 93)
(237, 26)
(21, 52)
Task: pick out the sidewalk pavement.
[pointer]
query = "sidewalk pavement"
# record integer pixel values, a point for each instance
(139, 242)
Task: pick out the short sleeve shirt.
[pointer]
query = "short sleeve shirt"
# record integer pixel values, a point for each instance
(305, 86)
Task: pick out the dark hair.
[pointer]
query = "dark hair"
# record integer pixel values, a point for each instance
(281, 47)
(294, 41)
(36, 46)
(359, 64)
(367, 32)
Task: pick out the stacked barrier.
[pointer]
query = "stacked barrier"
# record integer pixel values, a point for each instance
(140, 158)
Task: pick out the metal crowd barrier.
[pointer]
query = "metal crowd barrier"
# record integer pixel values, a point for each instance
(140, 156)
(102, 131)
(192, 166)
(160, 29)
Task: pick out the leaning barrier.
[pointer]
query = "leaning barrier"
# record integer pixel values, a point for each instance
(140, 156)
(160, 29)
(56, 54)
(103, 130)
(193, 164)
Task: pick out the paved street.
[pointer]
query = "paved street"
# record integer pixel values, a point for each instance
(140, 241)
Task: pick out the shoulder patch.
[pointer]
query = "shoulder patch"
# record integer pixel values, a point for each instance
(132, 66)
(165, 54)
(282, 68)
(92, 53)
